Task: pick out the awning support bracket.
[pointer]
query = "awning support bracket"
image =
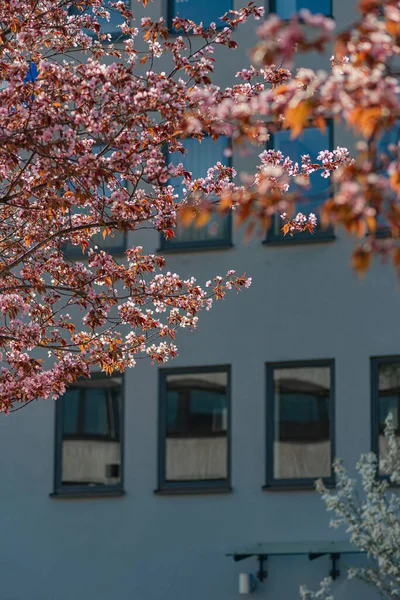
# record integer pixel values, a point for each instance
(262, 558)
(334, 556)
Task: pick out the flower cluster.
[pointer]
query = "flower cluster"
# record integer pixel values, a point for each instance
(371, 518)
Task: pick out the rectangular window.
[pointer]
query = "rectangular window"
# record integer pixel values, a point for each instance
(385, 375)
(389, 139)
(197, 11)
(114, 242)
(286, 8)
(311, 141)
(300, 440)
(199, 158)
(110, 26)
(194, 428)
(89, 429)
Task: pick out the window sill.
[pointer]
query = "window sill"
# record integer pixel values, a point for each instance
(183, 491)
(299, 239)
(294, 487)
(191, 248)
(62, 495)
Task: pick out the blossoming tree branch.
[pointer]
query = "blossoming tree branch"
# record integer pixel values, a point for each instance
(87, 132)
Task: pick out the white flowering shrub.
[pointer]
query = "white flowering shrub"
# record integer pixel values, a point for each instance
(371, 516)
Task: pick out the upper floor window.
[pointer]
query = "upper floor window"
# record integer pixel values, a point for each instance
(115, 241)
(194, 429)
(300, 440)
(389, 139)
(311, 141)
(110, 26)
(286, 8)
(89, 430)
(200, 156)
(385, 399)
(198, 11)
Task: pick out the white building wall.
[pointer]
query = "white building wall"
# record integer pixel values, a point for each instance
(305, 303)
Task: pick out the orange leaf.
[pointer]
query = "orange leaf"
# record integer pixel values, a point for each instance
(361, 260)
(186, 215)
(393, 28)
(286, 229)
(225, 202)
(169, 233)
(296, 117)
(320, 123)
(202, 218)
(371, 222)
(396, 257)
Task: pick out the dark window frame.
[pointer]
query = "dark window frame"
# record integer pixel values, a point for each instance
(271, 6)
(385, 232)
(63, 490)
(200, 245)
(302, 483)
(319, 235)
(170, 16)
(375, 362)
(190, 486)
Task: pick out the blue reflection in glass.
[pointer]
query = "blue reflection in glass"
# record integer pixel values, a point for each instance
(200, 11)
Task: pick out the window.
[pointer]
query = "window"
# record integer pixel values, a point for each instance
(194, 428)
(390, 137)
(286, 8)
(89, 429)
(114, 242)
(311, 142)
(300, 440)
(110, 26)
(199, 158)
(198, 11)
(385, 375)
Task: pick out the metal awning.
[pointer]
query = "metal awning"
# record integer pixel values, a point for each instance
(313, 550)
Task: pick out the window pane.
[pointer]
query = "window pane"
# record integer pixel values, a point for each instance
(116, 19)
(112, 242)
(96, 417)
(70, 404)
(110, 26)
(389, 401)
(197, 424)
(286, 8)
(389, 138)
(302, 446)
(197, 11)
(91, 454)
(199, 158)
(311, 142)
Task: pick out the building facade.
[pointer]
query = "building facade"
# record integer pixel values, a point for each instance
(139, 486)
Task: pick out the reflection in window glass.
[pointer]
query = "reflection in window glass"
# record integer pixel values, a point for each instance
(286, 8)
(311, 142)
(90, 433)
(198, 159)
(110, 26)
(198, 11)
(197, 426)
(301, 409)
(389, 400)
(388, 140)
